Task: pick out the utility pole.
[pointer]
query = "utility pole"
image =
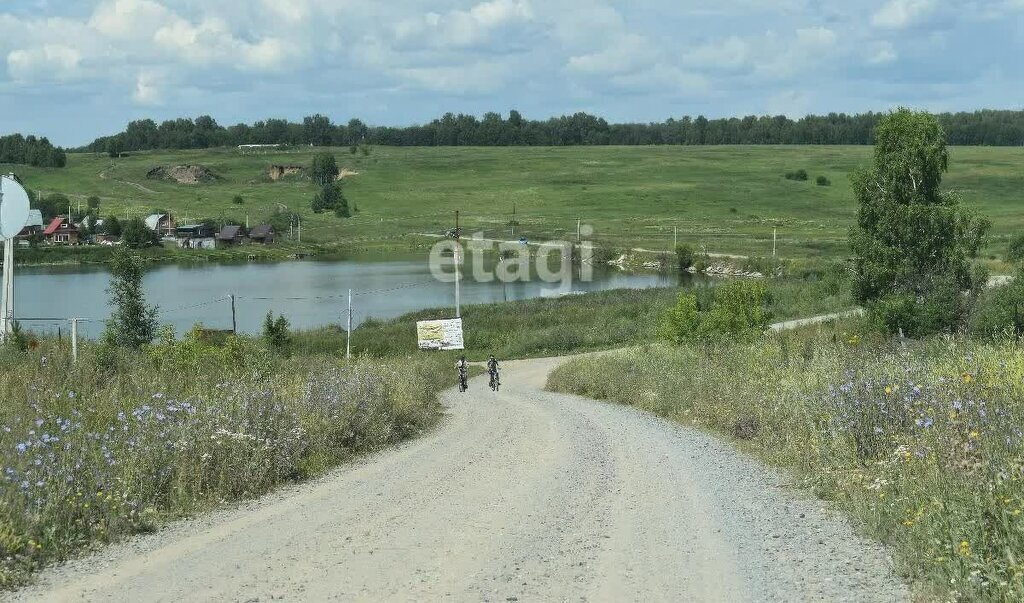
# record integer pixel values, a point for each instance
(299, 220)
(775, 234)
(578, 226)
(675, 237)
(348, 331)
(234, 324)
(513, 220)
(458, 245)
(74, 340)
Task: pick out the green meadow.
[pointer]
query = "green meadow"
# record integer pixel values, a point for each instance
(727, 198)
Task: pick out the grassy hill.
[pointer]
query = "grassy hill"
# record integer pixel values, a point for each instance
(728, 198)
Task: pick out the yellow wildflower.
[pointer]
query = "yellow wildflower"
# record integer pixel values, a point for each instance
(974, 434)
(968, 378)
(965, 548)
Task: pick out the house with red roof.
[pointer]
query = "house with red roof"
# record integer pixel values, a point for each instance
(61, 231)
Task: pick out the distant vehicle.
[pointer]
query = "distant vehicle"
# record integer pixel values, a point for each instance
(523, 241)
(453, 233)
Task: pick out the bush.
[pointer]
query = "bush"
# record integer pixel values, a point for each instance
(136, 235)
(941, 310)
(238, 200)
(684, 257)
(737, 311)
(680, 323)
(277, 332)
(799, 175)
(1000, 311)
(823, 181)
(1015, 251)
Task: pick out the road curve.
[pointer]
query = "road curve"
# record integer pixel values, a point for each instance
(520, 495)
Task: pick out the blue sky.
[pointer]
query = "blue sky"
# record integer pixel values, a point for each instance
(76, 69)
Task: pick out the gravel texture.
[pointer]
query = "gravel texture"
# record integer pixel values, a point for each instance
(519, 495)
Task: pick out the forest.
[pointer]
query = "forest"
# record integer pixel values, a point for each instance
(980, 128)
(29, 150)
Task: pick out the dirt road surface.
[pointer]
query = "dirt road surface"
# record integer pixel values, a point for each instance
(520, 495)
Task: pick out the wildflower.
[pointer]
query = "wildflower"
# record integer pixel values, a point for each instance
(965, 548)
(974, 434)
(968, 378)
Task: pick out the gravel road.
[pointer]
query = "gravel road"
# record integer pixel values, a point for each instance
(521, 495)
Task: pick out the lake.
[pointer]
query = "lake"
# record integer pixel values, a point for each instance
(308, 293)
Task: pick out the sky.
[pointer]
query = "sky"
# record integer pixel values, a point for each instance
(73, 70)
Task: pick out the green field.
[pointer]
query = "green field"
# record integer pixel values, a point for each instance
(728, 198)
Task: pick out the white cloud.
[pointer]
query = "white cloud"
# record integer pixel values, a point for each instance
(899, 14)
(46, 62)
(212, 43)
(768, 56)
(130, 19)
(147, 91)
(462, 28)
(626, 54)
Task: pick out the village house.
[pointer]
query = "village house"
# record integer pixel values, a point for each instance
(33, 227)
(262, 234)
(195, 236)
(162, 224)
(230, 235)
(61, 231)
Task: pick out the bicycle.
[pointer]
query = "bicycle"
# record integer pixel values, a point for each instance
(495, 383)
(463, 383)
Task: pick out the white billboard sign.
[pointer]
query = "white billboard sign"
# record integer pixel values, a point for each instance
(440, 334)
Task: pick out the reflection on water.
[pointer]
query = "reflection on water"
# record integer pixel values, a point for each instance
(308, 293)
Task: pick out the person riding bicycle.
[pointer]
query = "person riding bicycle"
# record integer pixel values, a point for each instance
(462, 367)
(492, 368)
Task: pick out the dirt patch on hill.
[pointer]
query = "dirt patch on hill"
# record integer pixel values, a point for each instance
(182, 174)
(345, 173)
(277, 172)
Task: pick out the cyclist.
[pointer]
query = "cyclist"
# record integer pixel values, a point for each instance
(462, 367)
(492, 370)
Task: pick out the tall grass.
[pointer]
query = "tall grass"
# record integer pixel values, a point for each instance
(565, 325)
(116, 444)
(922, 445)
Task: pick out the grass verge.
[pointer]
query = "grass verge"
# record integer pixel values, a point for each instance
(117, 444)
(565, 325)
(922, 445)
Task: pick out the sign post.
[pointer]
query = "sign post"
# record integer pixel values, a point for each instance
(13, 217)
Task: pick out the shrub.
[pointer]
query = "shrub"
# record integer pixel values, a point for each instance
(684, 257)
(238, 200)
(136, 235)
(277, 332)
(133, 322)
(823, 181)
(740, 312)
(680, 323)
(1000, 311)
(1015, 251)
(798, 175)
(737, 311)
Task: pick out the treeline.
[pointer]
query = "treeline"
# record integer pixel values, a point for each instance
(29, 150)
(994, 128)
